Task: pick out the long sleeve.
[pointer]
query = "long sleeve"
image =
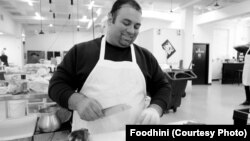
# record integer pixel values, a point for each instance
(78, 63)
(63, 82)
(160, 88)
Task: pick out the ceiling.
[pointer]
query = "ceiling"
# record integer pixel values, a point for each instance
(65, 15)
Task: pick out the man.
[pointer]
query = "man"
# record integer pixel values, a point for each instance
(4, 58)
(109, 71)
(246, 78)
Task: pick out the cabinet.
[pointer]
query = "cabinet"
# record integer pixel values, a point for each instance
(231, 73)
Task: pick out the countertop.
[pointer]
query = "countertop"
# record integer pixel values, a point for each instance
(63, 136)
(6, 97)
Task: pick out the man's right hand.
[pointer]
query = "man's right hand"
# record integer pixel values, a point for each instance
(88, 109)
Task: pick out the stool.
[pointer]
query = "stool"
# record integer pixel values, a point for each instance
(238, 76)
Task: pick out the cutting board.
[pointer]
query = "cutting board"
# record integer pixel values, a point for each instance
(112, 136)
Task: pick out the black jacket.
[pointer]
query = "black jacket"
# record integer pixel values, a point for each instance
(4, 59)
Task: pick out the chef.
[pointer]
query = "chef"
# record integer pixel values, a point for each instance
(110, 71)
(246, 78)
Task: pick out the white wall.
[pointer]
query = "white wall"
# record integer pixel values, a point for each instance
(146, 39)
(153, 39)
(222, 48)
(56, 42)
(8, 26)
(11, 39)
(13, 47)
(148, 23)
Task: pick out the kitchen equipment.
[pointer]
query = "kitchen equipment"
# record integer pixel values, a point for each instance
(17, 128)
(48, 121)
(241, 116)
(178, 79)
(242, 48)
(115, 109)
(16, 108)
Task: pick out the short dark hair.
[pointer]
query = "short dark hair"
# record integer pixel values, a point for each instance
(119, 3)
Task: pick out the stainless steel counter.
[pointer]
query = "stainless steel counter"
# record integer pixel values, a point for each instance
(6, 97)
(37, 100)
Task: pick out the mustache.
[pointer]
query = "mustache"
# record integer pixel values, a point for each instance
(129, 36)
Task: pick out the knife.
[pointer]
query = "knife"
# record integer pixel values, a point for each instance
(115, 109)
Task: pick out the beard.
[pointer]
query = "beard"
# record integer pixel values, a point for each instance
(126, 40)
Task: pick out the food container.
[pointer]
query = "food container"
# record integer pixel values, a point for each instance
(16, 108)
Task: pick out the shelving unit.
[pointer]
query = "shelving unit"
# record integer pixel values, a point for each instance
(39, 99)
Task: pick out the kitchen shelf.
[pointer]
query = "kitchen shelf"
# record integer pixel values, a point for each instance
(32, 99)
(6, 97)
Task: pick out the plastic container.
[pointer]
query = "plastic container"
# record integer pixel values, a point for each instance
(18, 129)
(3, 114)
(178, 80)
(16, 108)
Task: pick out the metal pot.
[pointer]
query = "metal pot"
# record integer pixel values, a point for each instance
(48, 121)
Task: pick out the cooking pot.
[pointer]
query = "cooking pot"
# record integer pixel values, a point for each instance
(48, 121)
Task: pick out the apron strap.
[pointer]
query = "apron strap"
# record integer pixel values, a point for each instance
(248, 51)
(103, 47)
(102, 50)
(133, 53)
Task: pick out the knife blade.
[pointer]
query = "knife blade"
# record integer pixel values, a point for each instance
(115, 109)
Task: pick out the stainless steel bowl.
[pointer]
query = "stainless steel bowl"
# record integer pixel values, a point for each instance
(48, 120)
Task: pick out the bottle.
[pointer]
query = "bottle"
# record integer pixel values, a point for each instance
(241, 57)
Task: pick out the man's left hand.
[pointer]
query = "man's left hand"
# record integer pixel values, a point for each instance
(149, 116)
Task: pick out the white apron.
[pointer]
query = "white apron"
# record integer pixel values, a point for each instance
(112, 83)
(246, 70)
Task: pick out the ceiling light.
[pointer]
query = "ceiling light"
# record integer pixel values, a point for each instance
(29, 2)
(89, 24)
(159, 15)
(171, 9)
(91, 4)
(23, 35)
(41, 32)
(38, 16)
(41, 21)
(51, 25)
(1, 33)
(216, 4)
(84, 19)
(98, 12)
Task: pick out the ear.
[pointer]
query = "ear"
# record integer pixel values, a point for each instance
(110, 19)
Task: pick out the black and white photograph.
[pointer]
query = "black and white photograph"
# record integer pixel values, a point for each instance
(105, 70)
